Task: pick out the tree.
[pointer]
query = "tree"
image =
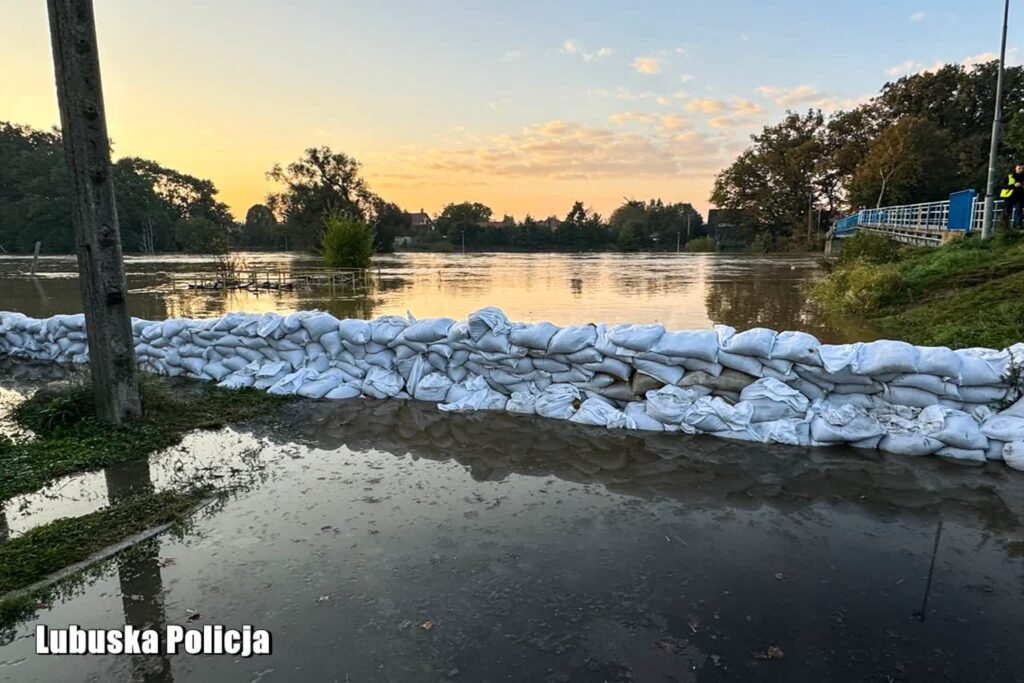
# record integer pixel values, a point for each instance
(906, 164)
(388, 221)
(465, 219)
(260, 228)
(347, 241)
(321, 181)
(200, 236)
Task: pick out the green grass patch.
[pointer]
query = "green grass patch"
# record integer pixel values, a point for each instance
(69, 438)
(966, 293)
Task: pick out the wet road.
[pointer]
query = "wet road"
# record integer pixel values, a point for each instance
(391, 542)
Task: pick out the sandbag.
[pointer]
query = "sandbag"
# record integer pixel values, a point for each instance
(428, 330)
(746, 364)
(698, 344)
(840, 424)
(756, 342)
(976, 457)
(939, 361)
(1004, 427)
(572, 338)
(558, 401)
(909, 444)
(636, 417)
(1013, 454)
(598, 413)
(487, 320)
(522, 402)
(345, 391)
(381, 383)
(663, 373)
(884, 356)
(536, 336)
(798, 347)
(636, 337)
(982, 366)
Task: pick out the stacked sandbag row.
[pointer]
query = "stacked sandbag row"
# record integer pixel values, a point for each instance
(755, 385)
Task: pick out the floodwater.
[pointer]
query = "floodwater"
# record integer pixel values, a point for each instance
(387, 541)
(680, 290)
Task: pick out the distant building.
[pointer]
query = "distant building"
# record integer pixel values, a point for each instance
(420, 221)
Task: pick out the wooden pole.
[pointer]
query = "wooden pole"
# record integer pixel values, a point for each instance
(35, 257)
(97, 238)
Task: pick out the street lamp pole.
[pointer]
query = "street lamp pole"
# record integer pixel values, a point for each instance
(997, 120)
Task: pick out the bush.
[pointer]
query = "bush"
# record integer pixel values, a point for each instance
(347, 242)
(859, 288)
(702, 244)
(869, 247)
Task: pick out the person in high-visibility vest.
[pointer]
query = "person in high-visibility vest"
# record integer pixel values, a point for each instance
(1012, 194)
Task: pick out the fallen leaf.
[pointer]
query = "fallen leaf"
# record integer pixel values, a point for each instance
(427, 625)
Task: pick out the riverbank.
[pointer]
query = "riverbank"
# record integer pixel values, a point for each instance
(964, 294)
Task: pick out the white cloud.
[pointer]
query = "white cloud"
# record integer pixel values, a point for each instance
(511, 56)
(686, 78)
(621, 93)
(647, 65)
(917, 16)
(662, 100)
(911, 67)
(570, 47)
(744, 38)
(788, 97)
(706, 105)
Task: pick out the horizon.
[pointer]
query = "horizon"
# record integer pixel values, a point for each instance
(525, 109)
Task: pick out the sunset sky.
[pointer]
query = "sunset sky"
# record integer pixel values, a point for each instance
(525, 106)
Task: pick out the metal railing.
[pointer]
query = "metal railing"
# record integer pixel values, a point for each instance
(925, 223)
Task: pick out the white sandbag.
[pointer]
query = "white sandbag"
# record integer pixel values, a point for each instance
(909, 396)
(428, 330)
(756, 342)
(1013, 454)
(216, 371)
(558, 401)
(432, 387)
(491, 342)
(962, 455)
(596, 412)
(772, 400)
(983, 394)
(835, 357)
(572, 338)
(779, 366)
(925, 382)
(670, 404)
(982, 366)
(865, 389)
(344, 391)
(636, 337)
(812, 391)
(318, 324)
(194, 366)
(610, 366)
(698, 365)
(318, 388)
(384, 329)
(522, 402)
(354, 331)
(664, 373)
(842, 423)
(698, 344)
(713, 414)
(536, 336)
(994, 450)
(585, 355)
(909, 444)
(382, 383)
(870, 444)
(939, 361)
(798, 347)
(749, 365)
(885, 356)
(1004, 427)
(269, 325)
(636, 417)
(791, 431)
(488, 319)
(475, 395)
(952, 428)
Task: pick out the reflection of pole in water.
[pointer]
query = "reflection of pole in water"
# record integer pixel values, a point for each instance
(931, 571)
(138, 573)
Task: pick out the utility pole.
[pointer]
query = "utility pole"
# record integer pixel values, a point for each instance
(997, 121)
(689, 215)
(76, 63)
(677, 241)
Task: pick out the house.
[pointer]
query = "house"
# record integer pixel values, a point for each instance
(420, 221)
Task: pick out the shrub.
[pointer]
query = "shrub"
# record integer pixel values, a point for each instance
(347, 242)
(702, 244)
(869, 247)
(859, 288)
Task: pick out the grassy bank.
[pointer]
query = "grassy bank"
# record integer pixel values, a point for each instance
(69, 438)
(966, 293)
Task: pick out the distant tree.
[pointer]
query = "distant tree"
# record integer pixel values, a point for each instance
(388, 220)
(260, 228)
(319, 182)
(201, 236)
(906, 164)
(347, 241)
(466, 218)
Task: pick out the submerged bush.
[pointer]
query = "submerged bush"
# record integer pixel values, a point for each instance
(702, 244)
(347, 242)
(858, 288)
(870, 247)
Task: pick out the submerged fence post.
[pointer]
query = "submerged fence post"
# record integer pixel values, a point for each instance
(97, 238)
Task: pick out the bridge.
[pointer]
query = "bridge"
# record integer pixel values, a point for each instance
(929, 224)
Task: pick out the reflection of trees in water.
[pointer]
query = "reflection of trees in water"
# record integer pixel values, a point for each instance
(766, 302)
(699, 471)
(138, 572)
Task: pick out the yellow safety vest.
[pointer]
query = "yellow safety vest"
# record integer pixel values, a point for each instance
(1006, 192)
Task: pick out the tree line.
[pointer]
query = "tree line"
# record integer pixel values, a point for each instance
(922, 137)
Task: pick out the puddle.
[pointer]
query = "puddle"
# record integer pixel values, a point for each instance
(387, 541)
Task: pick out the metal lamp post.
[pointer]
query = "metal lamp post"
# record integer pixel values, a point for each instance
(997, 120)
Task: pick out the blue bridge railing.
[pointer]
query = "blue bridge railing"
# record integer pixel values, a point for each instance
(926, 223)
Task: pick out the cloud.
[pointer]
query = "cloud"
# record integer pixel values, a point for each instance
(647, 65)
(788, 97)
(511, 56)
(707, 105)
(662, 100)
(666, 122)
(570, 47)
(746, 106)
(911, 67)
(621, 93)
(565, 150)
(686, 78)
(917, 16)
(744, 38)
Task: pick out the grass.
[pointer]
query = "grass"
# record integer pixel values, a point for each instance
(44, 550)
(966, 293)
(70, 439)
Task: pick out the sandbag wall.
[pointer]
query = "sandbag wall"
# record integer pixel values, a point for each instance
(755, 385)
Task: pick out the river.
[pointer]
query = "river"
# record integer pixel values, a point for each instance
(681, 291)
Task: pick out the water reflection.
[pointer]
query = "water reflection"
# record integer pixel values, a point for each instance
(680, 290)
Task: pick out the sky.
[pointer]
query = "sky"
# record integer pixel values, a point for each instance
(526, 106)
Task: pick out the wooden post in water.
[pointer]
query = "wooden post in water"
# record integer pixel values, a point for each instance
(35, 257)
(97, 238)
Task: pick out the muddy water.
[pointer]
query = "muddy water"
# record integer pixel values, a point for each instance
(680, 290)
(386, 541)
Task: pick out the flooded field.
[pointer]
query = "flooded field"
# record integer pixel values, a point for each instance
(392, 542)
(388, 541)
(679, 290)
